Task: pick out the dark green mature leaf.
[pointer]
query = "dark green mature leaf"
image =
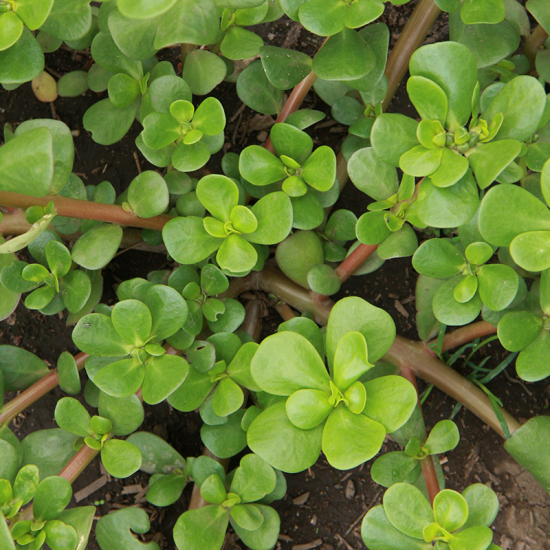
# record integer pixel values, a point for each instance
(264, 537)
(438, 258)
(108, 123)
(482, 505)
(255, 90)
(371, 175)
(345, 56)
(69, 19)
(115, 531)
(10, 461)
(392, 135)
(20, 368)
(203, 71)
(126, 413)
(449, 311)
(284, 68)
(120, 458)
(488, 43)
(225, 440)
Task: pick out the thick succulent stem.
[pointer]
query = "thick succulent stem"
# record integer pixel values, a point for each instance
(428, 468)
(410, 39)
(350, 265)
(78, 463)
(466, 334)
(403, 352)
(85, 210)
(534, 43)
(32, 394)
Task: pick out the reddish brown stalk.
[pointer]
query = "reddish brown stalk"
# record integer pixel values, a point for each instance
(464, 335)
(78, 463)
(410, 39)
(428, 468)
(293, 103)
(350, 265)
(73, 208)
(285, 311)
(26, 398)
(534, 43)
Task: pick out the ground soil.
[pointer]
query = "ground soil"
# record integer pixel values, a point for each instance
(323, 507)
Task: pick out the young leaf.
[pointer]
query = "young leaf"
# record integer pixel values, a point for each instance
(201, 528)
(120, 458)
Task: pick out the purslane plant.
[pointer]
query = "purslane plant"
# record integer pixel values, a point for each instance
(156, 343)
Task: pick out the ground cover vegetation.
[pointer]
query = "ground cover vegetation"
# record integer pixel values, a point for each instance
(464, 191)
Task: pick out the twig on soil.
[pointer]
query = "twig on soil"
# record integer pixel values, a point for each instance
(138, 164)
(343, 541)
(308, 545)
(90, 489)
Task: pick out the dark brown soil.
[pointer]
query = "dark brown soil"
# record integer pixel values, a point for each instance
(324, 506)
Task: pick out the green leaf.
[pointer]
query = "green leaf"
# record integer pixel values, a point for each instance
(52, 496)
(203, 71)
(452, 169)
(247, 517)
(253, 479)
(115, 531)
(450, 312)
(444, 437)
(10, 461)
(212, 489)
(108, 123)
(524, 213)
(378, 533)
(209, 117)
(134, 38)
(291, 142)
(488, 11)
(255, 90)
(132, 320)
(69, 19)
(23, 62)
(274, 215)
(344, 56)
(27, 163)
(72, 417)
(166, 490)
(162, 92)
(240, 43)
(531, 251)
(225, 440)
(488, 43)
(474, 538)
(319, 170)
(394, 467)
(236, 255)
(123, 90)
(160, 130)
(187, 241)
(75, 289)
(95, 334)
(201, 528)
(392, 135)
(324, 18)
(20, 368)
(307, 409)
(390, 401)
(60, 536)
(120, 458)
(428, 98)
(11, 28)
(498, 286)
(420, 161)
(219, 195)
(488, 160)
(163, 375)
(63, 149)
(266, 535)
(452, 67)
(284, 68)
(371, 175)
(350, 360)
(521, 119)
(106, 53)
(482, 505)
(517, 329)
(450, 510)
(148, 194)
(144, 9)
(259, 166)
(323, 280)
(350, 439)
(120, 379)
(433, 205)
(438, 258)
(300, 367)
(407, 509)
(532, 363)
(158, 457)
(355, 314)
(286, 447)
(126, 414)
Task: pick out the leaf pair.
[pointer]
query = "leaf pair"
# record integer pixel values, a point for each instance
(120, 458)
(256, 524)
(231, 229)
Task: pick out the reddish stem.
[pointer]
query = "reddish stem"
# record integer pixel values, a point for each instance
(293, 103)
(86, 210)
(428, 468)
(350, 265)
(534, 43)
(464, 335)
(26, 398)
(78, 463)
